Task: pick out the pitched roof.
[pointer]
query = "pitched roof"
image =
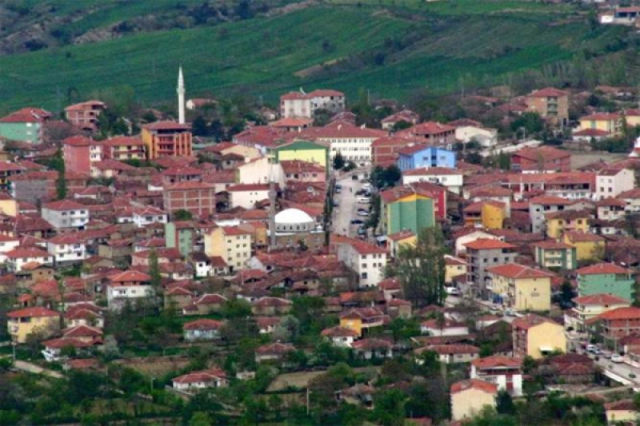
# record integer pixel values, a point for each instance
(203, 324)
(167, 125)
(582, 237)
(496, 361)
(551, 245)
(545, 152)
(602, 268)
(26, 115)
(548, 92)
(208, 375)
(474, 384)
(630, 312)
(529, 321)
(35, 311)
(131, 275)
(488, 244)
(516, 271)
(64, 205)
(600, 299)
(339, 332)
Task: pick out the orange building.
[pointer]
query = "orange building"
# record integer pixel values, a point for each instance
(167, 139)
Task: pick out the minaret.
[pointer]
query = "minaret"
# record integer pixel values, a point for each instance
(180, 90)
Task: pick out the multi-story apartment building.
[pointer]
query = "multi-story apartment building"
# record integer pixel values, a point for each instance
(551, 104)
(366, 260)
(66, 214)
(124, 148)
(84, 115)
(485, 253)
(301, 104)
(231, 243)
(167, 139)
(198, 198)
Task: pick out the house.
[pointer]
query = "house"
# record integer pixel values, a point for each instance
(261, 170)
(273, 351)
(431, 133)
(198, 198)
(302, 171)
(384, 150)
(397, 240)
(505, 372)
(467, 132)
(340, 336)
(301, 104)
(623, 411)
(247, 195)
(301, 150)
(588, 246)
(606, 278)
(271, 306)
(521, 287)
(24, 125)
(481, 255)
(412, 207)
(65, 214)
(196, 380)
(551, 254)
(469, 397)
(449, 178)
(361, 320)
(610, 210)
(558, 223)
(292, 124)
(542, 205)
(53, 349)
(450, 354)
(24, 258)
(536, 336)
(67, 248)
(231, 243)
(607, 122)
(368, 261)
(373, 348)
(128, 287)
(177, 297)
(405, 116)
(571, 368)
(485, 214)
(588, 307)
(122, 148)
(541, 159)
(419, 156)
(180, 235)
(454, 267)
(617, 323)
(471, 234)
(167, 139)
(433, 327)
(613, 181)
(202, 329)
(79, 153)
(209, 266)
(551, 104)
(36, 320)
(205, 304)
(84, 115)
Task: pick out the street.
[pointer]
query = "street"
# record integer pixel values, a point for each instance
(347, 206)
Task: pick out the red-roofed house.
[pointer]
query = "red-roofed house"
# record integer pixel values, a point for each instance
(606, 278)
(37, 320)
(536, 336)
(24, 125)
(17, 259)
(340, 336)
(122, 148)
(551, 104)
(84, 115)
(231, 243)
(210, 378)
(128, 287)
(588, 307)
(431, 133)
(66, 214)
(199, 198)
(503, 371)
(541, 159)
(202, 329)
(469, 397)
(304, 105)
(366, 260)
(167, 139)
(618, 323)
(79, 153)
(521, 287)
(484, 253)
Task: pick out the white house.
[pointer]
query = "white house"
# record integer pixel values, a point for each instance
(301, 104)
(147, 215)
(7, 243)
(505, 372)
(260, 170)
(487, 138)
(610, 182)
(211, 378)
(67, 248)
(247, 195)
(449, 178)
(367, 260)
(202, 329)
(17, 258)
(434, 327)
(462, 240)
(340, 336)
(66, 214)
(128, 286)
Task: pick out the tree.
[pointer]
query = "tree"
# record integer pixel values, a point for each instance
(392, 175)
(154, 273)
(199, 126)
(421, 268)
(182, 215)
(504, 403)
(338, 161)
(200, 418)
(389, 407)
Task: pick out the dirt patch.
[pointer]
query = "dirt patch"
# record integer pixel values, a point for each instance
(584, 158)
(301, 380)
(306, 72)
(155, 366)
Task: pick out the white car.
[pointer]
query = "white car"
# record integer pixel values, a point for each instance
(616, 358)
(453, 291)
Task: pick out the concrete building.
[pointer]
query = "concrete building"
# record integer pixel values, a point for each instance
(301, 104)
(536, 336)
(128, 287)
(521, 287)
(366, 260)
(180, 235)
(483, 254)
(294, 228)
(84, 115)
(607, 278)
(66, 214)
(231, 243)
(551, 254)
(35, 320)
(469, 397)
(541, 159)
(505, 372)
(588, 307)
(551, 104)
(542, 205)
(198, 198)
(22, 258)
(24, 125)
(247, 195)
(67, 248)
(123, 148)
(167, 139)
(611, 182)
(431, 133)
(301, 150)
(419, 156)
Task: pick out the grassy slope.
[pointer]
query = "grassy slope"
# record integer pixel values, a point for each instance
(479, 41)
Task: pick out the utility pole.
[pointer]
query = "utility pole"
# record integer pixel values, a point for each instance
(307, 400)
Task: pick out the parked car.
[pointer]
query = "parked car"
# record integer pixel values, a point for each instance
(363, 213)
(453, 291)
(362, 231)
(616, 358)
(591, 348)
(357, 221)
(363, 200)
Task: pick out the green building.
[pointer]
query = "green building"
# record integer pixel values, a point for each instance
(552, 254)
(180, 235)
(606, 278)
(24, 125)
(402, 211)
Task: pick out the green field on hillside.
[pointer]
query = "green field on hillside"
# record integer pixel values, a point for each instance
(266, 56)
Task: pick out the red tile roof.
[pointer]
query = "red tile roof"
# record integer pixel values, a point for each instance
(517, 271)
(203, 324)
(208, 375)
(339, 332)
(496, 361)
(529, 321)
(124, 141)
(26, 115)
(35, 311)
(128, 276)
(582, 237)
(488, 244)
(77, 140)
(64, 205)
(551, 245)
(602, 268)
(630, 312)
(601, 299)
(547, 153)
(474, 384)
(548, 92)
(167, 125)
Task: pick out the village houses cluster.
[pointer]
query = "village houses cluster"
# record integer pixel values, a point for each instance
(268, 218)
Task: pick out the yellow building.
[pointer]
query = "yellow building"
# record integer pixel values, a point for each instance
(231, 243)
(566, 221)
(453, 267)
(588, 246)
(622, 412)
(37, 321)
(362, 319)
(537, 336)
(400, 239)
(311, 152)
(489, 214)
(521, 287)
(607, 122)
(352, 322)
(8, 205)
(469, 397)
(588, 307)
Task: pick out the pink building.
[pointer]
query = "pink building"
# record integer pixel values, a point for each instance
(85, 114)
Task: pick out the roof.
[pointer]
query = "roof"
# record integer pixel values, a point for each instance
(293, 216)
(131, 275)
(582, 237)
(124, 141)
(601, 299)
(35, 311)
(464, 385)
(488, 244)
(166, 125)
(547, 153)
(450, 349)
(203, 324)
(77, 140)
(601, 116)
(602, 268)
(551, 245)
(26, 115)
(339, 332)
(621, 405)
(496, 361)
(529, 321)
(64, 205)
(427, 128)
(249, 187)
(201, 376)
(629, 312)
(548, 92)
(431, 171)
(550, 200)
(516, 271)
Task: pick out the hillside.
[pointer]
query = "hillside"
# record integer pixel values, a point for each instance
(388, 47)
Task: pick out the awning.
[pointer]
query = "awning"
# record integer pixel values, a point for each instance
(546, 349)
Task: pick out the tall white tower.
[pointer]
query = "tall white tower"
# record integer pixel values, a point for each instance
(180, 90)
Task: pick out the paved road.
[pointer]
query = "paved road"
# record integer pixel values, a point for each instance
(347, 207)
